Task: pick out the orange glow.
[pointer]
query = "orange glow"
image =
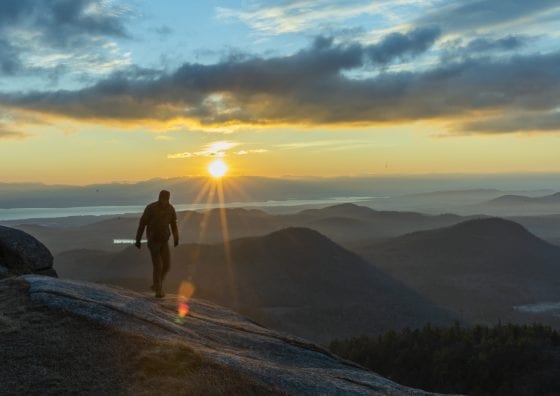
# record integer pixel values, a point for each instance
(186, 291)
(183, 309)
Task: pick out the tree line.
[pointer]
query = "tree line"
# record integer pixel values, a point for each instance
(505, 359)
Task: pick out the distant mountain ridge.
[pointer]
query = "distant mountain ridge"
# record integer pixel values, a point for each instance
(186, 189)
(253, 188)
(480, 268)
(552, 199)
(345, 223)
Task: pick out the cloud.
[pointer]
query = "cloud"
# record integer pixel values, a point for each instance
(217, 149)
(39, 29)
(548, 121)
(462, 15)
(64, 23)
(214, 149)
(10, 63)
(13, 124)
(454, 50)
(12, 135)
(253, 151)
(314, 86)
(484, 44)
(180, 155)
(398, 45)
(253, 90)
(272, 18)
(323, 144)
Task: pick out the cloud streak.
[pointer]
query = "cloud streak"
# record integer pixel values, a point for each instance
(525, 122)
(253, 151)
(303, 15)
(8, 134)
(460, 15)
(216, 149)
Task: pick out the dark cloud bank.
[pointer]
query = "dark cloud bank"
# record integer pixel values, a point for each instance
(315, 85)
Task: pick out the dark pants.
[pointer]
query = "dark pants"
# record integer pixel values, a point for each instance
(160, 260)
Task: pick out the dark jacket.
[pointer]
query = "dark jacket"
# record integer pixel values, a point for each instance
(157, 218)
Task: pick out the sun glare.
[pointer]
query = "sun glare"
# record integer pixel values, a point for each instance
(217, 168)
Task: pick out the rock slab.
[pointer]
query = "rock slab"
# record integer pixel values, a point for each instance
(285, 362)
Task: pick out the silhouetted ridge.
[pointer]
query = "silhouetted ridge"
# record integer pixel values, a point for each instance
(295, 236)
(511, 198)
(522, 199)
(488, 226)
(481, 268)
(298, 280)
(237, 211)
(486, 230)
(345, 209)
(339, 221)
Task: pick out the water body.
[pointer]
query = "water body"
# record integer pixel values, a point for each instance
(51, 213)
(540, 308)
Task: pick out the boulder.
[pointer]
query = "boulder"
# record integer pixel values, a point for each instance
(20, 253)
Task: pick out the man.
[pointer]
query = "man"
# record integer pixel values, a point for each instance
(158, 217)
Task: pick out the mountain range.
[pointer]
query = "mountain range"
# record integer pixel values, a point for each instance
(345, 223)
(479, 269)
(517, 205)
(552, 199)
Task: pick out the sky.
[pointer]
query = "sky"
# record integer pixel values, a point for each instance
(96, 91)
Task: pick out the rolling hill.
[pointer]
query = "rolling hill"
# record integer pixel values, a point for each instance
(295, 280)
(552, 199)
(350, 223)
(479, 269)
(518, 205)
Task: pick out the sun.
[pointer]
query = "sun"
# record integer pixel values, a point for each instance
(217, 168)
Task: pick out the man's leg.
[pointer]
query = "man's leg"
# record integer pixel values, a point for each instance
(165, 260)
(155, 252)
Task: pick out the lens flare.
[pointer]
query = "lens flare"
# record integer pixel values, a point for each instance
(186, 291)
(182, 309)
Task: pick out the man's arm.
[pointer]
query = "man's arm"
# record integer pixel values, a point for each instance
(174, 228)
(141, 227)
(175, 232)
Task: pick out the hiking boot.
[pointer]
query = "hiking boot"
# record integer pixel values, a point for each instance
(153, 288)
(160, 294)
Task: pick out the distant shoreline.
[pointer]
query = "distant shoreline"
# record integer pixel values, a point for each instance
(51, 213)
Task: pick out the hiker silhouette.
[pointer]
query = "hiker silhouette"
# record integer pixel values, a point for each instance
(158, 218)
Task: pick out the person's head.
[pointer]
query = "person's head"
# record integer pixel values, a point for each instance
(164, 196)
